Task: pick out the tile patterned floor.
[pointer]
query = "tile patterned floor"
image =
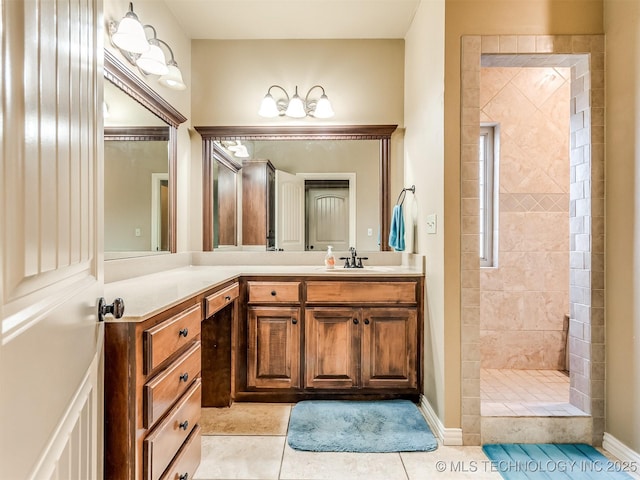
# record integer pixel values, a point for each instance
(248, 442)
(541, 393)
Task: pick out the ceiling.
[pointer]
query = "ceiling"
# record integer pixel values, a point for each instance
(293, 19)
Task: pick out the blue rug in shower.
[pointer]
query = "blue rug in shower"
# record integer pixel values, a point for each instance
(359, 426)
(551, 461)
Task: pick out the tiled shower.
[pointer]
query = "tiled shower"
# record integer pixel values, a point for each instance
(524, 296)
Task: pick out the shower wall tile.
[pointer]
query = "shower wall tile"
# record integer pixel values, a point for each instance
(524, 299)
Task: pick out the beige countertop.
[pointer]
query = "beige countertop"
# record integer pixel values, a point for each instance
(147, 295)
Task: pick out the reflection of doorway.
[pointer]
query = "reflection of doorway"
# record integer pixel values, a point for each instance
(159, 212)
(292, 215)
(327, 214)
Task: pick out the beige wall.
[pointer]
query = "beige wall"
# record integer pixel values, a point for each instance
(157, 14)
(622, 27)
(364, 79)
(486, 17)
(525, 295)
(424, 167)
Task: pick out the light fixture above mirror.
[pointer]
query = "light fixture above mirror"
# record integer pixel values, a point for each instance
(130, 38)
(295, 107)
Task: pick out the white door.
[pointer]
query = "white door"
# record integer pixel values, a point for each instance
(51, 241)
(289, 211)
(328, 219)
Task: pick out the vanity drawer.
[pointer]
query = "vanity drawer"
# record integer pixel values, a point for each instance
(361, 292)
(162, 444)
(166, 338)
(184, 465)
(162, 390)
(218, 300)
(274, 292)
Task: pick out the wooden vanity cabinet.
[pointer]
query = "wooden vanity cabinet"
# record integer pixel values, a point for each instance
(273, 335)
(332, 338)
(258, 203)
(153, 394)
(369, 342)
(361, 347)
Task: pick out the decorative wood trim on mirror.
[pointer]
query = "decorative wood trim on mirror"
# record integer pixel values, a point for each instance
(137, 134)
(324, 132)
(119, 74)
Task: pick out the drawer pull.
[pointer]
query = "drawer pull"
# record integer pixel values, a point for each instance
(184, 476)
(273, 293)
(355, 321)
(294, 320)
(183, 332)
(366, 321)
(184, 425)
(184, 377)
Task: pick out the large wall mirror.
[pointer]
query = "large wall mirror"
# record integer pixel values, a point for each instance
(296, 188)
(140, 155)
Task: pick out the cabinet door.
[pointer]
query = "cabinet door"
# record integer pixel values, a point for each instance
(332, 348)
(389, 347)
(274, 347)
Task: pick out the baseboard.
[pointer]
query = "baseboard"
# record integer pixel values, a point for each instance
(448, 436)
(623, 453)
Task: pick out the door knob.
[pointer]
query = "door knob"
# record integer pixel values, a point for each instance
(116, 308)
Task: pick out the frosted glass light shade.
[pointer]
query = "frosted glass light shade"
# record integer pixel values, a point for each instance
(173, 78)
(323, 108)
(153, 61)
(296, 107)
(268, 107)
(130, 35)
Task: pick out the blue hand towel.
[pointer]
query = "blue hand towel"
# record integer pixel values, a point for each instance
(396, 232)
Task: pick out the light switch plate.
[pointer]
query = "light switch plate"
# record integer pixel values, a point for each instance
(432, 223)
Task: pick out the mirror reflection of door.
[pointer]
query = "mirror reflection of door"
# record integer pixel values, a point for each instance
(224, 205)
(164, 215)
(327, 208)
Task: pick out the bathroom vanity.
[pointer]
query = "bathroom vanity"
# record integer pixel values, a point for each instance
(211, 335)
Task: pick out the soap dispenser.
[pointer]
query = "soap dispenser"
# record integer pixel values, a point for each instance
(329, 259)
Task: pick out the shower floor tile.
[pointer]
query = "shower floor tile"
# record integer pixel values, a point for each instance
(523, 393)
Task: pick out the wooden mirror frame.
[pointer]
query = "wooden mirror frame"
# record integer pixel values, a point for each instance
(338, 132)
(119, 74)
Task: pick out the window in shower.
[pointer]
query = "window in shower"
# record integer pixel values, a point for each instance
(488, 161)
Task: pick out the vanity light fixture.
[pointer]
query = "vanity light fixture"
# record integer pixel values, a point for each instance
(129, 37)
(295, 107)
(236, 148)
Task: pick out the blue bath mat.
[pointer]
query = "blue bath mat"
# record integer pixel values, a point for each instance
(359, 426)
(571, 461)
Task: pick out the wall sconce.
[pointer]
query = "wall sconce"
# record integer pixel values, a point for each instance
(129, 37)
(295, 107)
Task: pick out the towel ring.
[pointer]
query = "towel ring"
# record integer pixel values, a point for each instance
(403, 194)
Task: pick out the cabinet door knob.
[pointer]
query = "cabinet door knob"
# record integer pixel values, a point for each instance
(183, 332)
(366, 321)
(273, 293)
(294, 320)
(184, 377)
(355, 321)
(227, 298)
(184, 425)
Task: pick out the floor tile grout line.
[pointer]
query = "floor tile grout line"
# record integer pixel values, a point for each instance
(404, 467)
(284, 444)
